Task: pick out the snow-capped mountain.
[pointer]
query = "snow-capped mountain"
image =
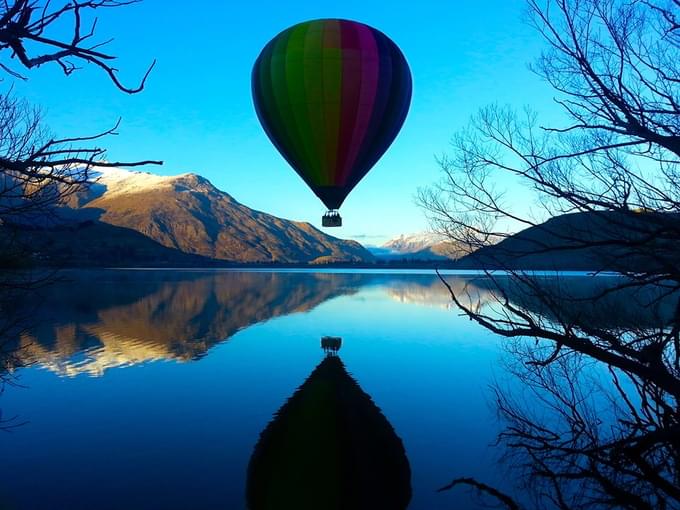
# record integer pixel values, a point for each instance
(187, 213)
(412, 243)
(419, 246)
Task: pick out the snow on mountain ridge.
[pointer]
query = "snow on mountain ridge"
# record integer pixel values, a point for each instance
(187, 213)
(120, 181)
(411, 243)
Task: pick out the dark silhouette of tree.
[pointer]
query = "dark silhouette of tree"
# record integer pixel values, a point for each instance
(37, 169)
(27, 22)
(615, 68)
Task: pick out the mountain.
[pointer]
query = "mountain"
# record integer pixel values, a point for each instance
(88, 243)
(412, 243)
(587, 241)
(422, 246)
(187, 213)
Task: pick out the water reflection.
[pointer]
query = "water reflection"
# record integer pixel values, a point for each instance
(98, 320)
(591, 420)
(604, 302)
(608, 302)
(329, 448)
(105, 320)
(431, 291)
(165, 432)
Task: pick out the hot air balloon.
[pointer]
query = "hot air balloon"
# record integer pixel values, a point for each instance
(332, 95)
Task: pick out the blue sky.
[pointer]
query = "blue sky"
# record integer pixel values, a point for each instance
(196, 113)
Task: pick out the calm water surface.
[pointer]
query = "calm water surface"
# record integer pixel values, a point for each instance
(150, 389)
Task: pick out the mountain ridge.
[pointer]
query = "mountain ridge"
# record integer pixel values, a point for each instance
(423, 246)
(186, 212)
(620, 241)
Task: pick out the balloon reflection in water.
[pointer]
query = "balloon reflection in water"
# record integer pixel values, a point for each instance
(329, 447)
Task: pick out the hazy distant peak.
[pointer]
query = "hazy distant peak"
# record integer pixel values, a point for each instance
(419, 246)
(410, 243)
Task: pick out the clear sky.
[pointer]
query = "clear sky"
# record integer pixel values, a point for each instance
(196, 112)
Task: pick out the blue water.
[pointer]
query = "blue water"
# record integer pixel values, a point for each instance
(149, 389)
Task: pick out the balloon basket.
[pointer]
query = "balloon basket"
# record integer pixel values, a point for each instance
(331, 344)
(331, 219)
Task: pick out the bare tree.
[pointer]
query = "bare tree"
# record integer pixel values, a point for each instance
(583, 433)
(615, 66)
(37, 169)
(24, 22)
(589, 443)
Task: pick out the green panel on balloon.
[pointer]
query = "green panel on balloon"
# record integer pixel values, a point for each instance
(332, 96)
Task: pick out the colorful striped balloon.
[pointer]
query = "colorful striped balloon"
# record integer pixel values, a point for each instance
(331, 95)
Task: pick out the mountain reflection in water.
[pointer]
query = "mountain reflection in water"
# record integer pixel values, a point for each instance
(116, 319)
(329, 448)
(159, 435)
(97, 320)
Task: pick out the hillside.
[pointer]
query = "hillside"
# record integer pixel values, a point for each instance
(88, 243)
(187, 213)
(586, 241)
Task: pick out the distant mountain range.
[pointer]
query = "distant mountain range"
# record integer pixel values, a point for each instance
(422, 246)
(140, 217)
(622, 241)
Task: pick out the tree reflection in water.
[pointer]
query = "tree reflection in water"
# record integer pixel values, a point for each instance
(595, 421)
(329, 447)
(594, 427)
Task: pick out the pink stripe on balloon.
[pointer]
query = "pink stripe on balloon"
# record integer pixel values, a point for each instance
(351, 86)
(369, 74)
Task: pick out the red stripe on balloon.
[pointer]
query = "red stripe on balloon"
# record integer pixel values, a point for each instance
(370, 65)
(351, 85)
(371, 143)
(331, 40)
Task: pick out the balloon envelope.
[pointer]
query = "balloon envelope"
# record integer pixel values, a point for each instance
(331, 95)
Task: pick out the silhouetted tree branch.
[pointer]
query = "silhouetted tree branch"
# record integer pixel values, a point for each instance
(40, 171)
(615, 66)
(504, 499)
(25, 22)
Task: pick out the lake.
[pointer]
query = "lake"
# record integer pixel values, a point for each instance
(152, 388)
